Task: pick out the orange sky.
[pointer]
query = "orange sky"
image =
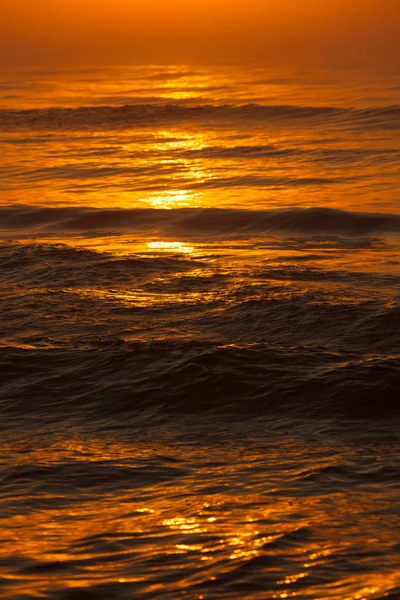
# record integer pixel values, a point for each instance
(335, 32)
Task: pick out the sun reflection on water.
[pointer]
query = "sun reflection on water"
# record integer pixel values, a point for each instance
(140, 535)
(82, 513)
(164, 246)
(172, 199)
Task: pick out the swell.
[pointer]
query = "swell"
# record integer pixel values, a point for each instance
(194, 222)
(115, 383)
(58, 265)
(146, 115)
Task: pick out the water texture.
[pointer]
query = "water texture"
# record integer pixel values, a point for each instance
(200, 336)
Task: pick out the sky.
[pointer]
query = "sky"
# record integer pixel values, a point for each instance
(97, 32)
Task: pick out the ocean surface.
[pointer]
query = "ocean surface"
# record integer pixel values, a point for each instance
(200, 334)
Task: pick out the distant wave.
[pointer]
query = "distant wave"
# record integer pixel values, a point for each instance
(134, 116)
(199, 222)
(326, 155)
(154, 177)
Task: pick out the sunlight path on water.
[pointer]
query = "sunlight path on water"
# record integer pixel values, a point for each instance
(203, 138)
(238, 514)
(199, 345)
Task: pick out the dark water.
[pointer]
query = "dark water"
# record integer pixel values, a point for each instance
(200, 344)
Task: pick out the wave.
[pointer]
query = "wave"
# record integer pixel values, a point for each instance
(146, 115)
(56, 296)
(61, 266)
(151, 178)
(199, 222)
(114, 382)
(320, 155)
(241, 152)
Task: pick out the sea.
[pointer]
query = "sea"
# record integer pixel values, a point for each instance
(200, 334)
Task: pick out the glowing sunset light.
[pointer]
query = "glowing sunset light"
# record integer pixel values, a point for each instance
(115, 31)
(199, 299)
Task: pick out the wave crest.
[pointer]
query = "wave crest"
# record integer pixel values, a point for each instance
(146, 115)
(193, 222)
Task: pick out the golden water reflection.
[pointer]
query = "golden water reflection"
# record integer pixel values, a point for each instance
(137, 530)
(182, 247)
(81, 511)
(194, 161)
(173, 199)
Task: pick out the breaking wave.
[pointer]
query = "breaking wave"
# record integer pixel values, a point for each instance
(193, 222)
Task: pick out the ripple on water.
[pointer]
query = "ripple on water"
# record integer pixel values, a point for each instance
(266, 514)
